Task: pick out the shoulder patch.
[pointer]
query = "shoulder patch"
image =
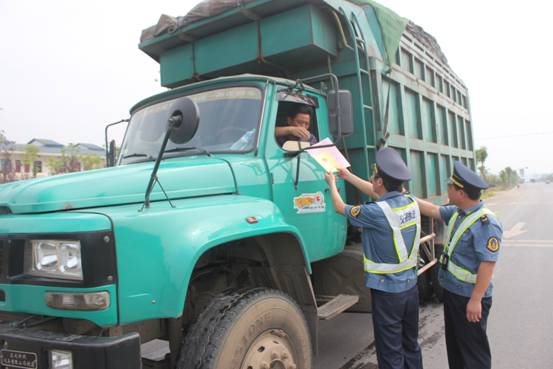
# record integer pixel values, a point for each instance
(492, 244)
(355, 210)
(484, 219)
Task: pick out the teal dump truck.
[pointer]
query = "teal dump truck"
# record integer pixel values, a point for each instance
(206, 244)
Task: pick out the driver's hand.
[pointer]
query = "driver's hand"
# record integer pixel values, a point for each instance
(300, 132)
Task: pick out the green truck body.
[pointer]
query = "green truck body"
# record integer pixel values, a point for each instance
(249, 224)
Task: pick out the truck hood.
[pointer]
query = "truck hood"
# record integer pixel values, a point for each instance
(181, 178)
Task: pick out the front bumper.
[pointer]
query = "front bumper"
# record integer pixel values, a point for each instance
(88, 352)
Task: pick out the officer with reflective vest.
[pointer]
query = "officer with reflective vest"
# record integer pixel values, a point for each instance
(390, 234)
(470, 252)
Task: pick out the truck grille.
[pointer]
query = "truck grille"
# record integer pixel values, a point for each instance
(3, 245)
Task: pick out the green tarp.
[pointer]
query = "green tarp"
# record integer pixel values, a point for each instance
(391, 25)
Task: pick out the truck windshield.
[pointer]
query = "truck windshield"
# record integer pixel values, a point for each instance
(229, 120)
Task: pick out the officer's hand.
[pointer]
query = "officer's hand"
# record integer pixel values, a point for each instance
(344, 173)
(299, 132)
(474, 311)
(330, 179)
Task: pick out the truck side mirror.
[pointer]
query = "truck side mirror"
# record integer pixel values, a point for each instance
(183, 121)
(182, 125)
(340, 113)
(112, 152)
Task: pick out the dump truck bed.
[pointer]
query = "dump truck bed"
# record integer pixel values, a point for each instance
(405, 95)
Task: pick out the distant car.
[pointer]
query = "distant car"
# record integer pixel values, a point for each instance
(546, 182)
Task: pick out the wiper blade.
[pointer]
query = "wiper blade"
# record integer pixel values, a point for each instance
(184, 149)
(136, 155)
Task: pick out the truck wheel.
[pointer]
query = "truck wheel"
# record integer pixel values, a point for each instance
(256, 329)
(343, 274)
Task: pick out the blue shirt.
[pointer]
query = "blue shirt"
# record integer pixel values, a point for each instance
(378, 243)
(475, 246)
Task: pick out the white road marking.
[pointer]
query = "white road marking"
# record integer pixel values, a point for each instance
(512, 203)
(516, 230)
(529, 243)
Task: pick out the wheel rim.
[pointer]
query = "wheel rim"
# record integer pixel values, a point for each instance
(271, 350)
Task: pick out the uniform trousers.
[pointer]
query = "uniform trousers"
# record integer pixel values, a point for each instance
(396, 329)
(467, 343)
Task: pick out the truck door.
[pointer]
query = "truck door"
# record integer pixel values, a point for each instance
(307, 204)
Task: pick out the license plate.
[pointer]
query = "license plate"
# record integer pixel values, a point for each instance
(18, 359)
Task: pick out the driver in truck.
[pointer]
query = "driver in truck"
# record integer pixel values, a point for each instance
(298, 120)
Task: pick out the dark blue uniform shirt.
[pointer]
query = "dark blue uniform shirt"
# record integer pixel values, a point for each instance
(378, 243)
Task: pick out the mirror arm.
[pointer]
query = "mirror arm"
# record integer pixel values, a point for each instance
(296, 181)
(298, 155)
(153, 177)
(106, 136)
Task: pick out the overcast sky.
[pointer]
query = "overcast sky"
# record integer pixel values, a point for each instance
(67, 68)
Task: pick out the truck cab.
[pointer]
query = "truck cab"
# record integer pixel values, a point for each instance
(224, 204)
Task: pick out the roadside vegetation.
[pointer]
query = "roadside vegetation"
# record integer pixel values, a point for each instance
(506, 179)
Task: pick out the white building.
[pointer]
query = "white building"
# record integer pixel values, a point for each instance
(16, 164)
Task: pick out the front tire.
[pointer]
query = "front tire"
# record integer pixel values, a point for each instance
(256, 329)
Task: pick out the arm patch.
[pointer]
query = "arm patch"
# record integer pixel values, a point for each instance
(355, 210)
(493, 244)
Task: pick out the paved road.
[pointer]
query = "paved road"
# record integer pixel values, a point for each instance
(521, 319)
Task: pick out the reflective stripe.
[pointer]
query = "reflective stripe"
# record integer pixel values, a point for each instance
(405, 260)
(384, 268)
(395, 224)
(461, 274)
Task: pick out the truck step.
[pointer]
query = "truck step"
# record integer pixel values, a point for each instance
(154, 353)
(336, 306)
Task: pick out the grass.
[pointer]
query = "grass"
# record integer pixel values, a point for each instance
(488, 194)
(491, 192)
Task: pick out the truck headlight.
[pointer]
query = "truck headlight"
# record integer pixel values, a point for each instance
(54, 259)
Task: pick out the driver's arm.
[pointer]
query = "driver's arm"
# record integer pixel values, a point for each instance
(298, 132)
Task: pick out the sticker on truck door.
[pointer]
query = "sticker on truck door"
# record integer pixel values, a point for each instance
(310, 203)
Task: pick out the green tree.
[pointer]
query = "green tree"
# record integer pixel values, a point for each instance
(6, 151)
(508, 177)
(92, 162)
(56, 165)
(30, 156)
(68, 162)
(481, 155)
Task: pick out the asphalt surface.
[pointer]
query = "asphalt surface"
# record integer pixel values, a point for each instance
(520, 326)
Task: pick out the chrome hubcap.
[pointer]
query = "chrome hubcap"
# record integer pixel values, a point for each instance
(271, 350)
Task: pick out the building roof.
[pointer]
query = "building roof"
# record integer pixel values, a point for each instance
(90, 149)
(44, 142)
(47, 146)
